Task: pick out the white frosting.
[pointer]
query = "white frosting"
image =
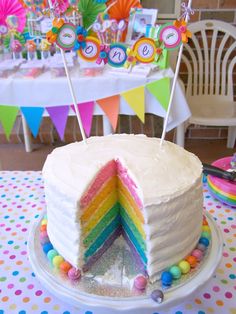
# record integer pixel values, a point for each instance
(169, 185)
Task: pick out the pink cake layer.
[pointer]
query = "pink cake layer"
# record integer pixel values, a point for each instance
(110, 169)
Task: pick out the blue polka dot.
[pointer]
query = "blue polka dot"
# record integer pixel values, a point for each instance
(22, 312)
(230, 218)
(33, 275)
(1, 311)
(13, 178)
(17, 196)
(3, 195)
(22, 217)
(36, 216)
(88, 312)
(178, 312)
(1, 178)
(31, 195)
(232, 276)
(201, 312)
(6, 217)
(66, 312)
(15, 273)
(26, 178)
(44, 312)
(10, 242)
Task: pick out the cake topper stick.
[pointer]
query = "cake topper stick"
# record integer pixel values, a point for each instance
(72, 92)
(186, 16)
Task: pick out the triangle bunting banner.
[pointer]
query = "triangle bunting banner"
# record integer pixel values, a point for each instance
(59, 116)
(111, 107)
(7, 118)
(86, 114)
(161, 91)
(135, 98)
(33, 116)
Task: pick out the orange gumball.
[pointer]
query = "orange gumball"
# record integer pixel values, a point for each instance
(65, 267)
(192, 260)
(205, 223)
(43, 228)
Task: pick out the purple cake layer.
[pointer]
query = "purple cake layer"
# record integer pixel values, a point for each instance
(137, 258)
(103, 249)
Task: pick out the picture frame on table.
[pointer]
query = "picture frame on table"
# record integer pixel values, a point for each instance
(139, 19)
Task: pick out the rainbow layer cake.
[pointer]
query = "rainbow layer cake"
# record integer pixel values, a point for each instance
(223, 190)
(128, 186)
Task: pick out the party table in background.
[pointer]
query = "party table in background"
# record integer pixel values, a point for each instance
(22, 202)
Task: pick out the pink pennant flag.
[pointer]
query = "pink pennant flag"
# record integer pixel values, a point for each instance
(59, 118)
(86, 114)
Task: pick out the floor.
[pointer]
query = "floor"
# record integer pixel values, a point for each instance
(14, 157)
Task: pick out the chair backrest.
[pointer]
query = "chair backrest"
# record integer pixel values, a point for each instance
(209, 59)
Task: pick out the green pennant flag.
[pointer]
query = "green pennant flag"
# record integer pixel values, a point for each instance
(7, 118)
(161, 91)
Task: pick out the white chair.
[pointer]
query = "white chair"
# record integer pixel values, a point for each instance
(210, 61)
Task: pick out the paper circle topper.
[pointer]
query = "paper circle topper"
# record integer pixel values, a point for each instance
(92, 50)
(66, 36)
(3, 29)
(117, 55)
(170, 35)
(145, 50)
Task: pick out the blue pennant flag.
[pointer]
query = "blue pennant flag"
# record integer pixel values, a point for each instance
(33, 117)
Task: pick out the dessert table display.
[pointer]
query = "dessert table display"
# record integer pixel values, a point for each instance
(22, 205)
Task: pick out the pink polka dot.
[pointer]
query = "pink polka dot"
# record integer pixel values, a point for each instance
(38, 292)
(210, 204)
(233, 226)
(234, 259)
(23, 253)
(10, 286)
(30, 286)
(12, 257)
(226, 230)
(216, 288)
(8, 229)
(5, 252)
(225, 254)
(228, 295)
(207, 295)
(18, 225)
(2, 225)
(218, 206)
(18, 292)
(24, 229)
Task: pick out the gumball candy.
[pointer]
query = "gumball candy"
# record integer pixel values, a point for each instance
(204, 241)
(206, 235)
(175, 272)
(201, 247)
(43, 237)
(166, 278)
(65, 267)
(192, 260)
(74, 274)
(184, 266)
(44, 222)
(198, 254)
(157, 296)
(57, 260)
(43, 228)
(51, 254)
(206, 228)
(205, 223)
(47, 247)
(140, 282)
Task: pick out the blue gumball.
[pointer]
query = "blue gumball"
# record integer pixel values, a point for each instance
(166, 278)
(204, 241)
(47, 247)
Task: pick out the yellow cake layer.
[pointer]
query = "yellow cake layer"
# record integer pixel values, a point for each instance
(103, 208)
(108, 188)
(124, 191)
(132, 214)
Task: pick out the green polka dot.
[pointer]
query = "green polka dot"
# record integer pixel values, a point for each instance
(223, 222)
(3, 279)
(0, 246)
(16, 247)
(12, 220)
(23, 279)
(232, 249)
(27, 221)
(224, 281)
(22, 200)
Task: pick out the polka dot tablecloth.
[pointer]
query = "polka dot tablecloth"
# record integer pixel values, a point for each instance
(21, 203)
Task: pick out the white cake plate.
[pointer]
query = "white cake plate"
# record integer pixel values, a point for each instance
(102, 304)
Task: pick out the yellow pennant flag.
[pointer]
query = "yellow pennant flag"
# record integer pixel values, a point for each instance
(136, 100)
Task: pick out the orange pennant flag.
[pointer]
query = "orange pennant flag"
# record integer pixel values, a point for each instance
(111, 107)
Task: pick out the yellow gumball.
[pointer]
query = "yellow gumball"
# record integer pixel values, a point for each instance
(184, 267)
(57, 260)
(206, 229)
(44, 222)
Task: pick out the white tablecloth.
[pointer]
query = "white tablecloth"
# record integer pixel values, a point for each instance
(46, 91)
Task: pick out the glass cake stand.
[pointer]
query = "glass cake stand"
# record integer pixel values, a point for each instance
(107, 288)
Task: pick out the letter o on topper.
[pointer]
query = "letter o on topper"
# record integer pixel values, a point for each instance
(145, 50)
(91, 51)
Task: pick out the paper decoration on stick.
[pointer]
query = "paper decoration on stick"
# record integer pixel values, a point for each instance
(161, 91)
(59, 116)
(136, 100)
(86, 114)
(170, 35)
(91, 51)
(90, 10)
(117, 55)
(7, 118)
(13, 8)
(111, 107)
(33, 116)
(121, 9)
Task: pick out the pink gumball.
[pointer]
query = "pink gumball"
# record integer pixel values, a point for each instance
(74, 274)
(198, 254)
(140, 282)
(43, 237)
